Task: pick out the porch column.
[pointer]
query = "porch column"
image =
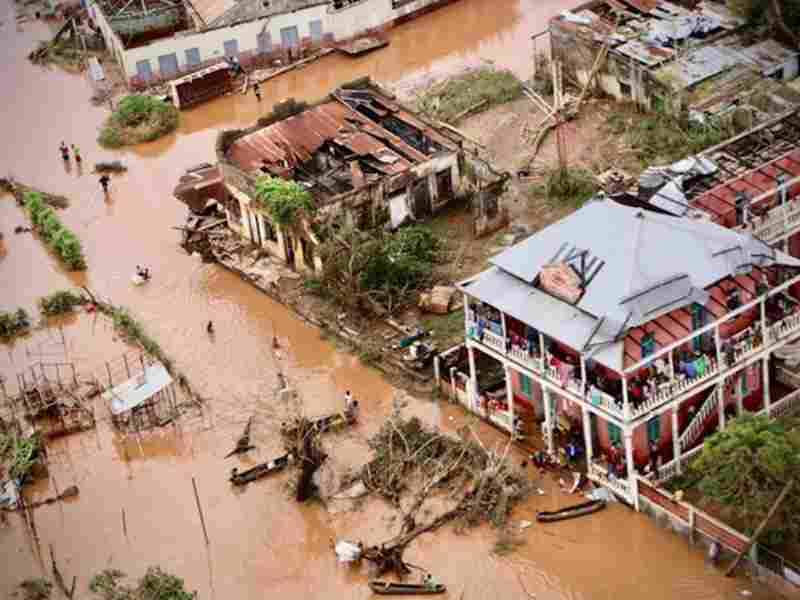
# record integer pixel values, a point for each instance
(718, 344)
(739, 396)
(587, 434)
(763, 308)
(676, 443)
(626, 405)
(548, 418)
(466, 312)
(671, 365)
(583, 376)
(721, 405)
(541, 349)
(473, 379)
(505, 331)
(765, 383)
(628, 439)
(510, 399)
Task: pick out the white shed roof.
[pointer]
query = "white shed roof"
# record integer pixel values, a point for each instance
(139, 389)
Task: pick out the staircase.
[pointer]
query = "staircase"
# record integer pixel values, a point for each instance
(698, 423)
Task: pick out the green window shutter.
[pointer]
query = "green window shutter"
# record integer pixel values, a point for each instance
(525, 385)
(648, 344)
(654, 429)
(743, 384)
(614, 433)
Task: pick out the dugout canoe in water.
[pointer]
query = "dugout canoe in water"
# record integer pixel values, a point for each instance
(391, 588)
(570, 512)
(262, 470)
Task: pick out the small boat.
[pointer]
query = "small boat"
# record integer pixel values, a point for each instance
(261, 470)
(391, 588)
(570, 512)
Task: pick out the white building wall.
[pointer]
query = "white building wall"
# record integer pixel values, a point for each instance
(368, 14)
(210, 43)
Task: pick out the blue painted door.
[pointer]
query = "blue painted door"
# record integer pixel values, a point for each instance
(144, 70)
(192, 57)
(168, 65)
(231, 48)
(290, 38)
(264, 40)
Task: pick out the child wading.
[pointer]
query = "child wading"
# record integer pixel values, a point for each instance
(104, 183)
(76, 151)
(64, 151)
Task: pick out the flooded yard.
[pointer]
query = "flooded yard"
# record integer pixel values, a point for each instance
(261, 542)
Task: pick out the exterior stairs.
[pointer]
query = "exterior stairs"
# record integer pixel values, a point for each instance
(707, 411)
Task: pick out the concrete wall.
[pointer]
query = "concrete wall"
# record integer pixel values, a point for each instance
(337, 25)
(211, 43)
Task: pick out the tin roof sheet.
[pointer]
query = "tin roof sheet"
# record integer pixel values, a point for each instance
(137, 390)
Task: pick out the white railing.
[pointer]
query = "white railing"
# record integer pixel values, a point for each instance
(495, 341)
(670, 469)
(697, 424)
(573, 384)
(667, 391)
(502, 419)
(522, 357)
(785, 327)
(778, 221)
(599, 398)
(619, 486)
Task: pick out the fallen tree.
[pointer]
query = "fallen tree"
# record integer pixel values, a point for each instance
(481, 483)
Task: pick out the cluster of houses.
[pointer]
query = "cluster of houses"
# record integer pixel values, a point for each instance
(643, 321)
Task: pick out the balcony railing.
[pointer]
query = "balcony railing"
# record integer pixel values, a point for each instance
(783, 328)
(681, 383)
(599, 474)
(523, 357)
(494, 341)
(778, 221)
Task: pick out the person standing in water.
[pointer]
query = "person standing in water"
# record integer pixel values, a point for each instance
(104, 180)
(64, 152)
(76, 151)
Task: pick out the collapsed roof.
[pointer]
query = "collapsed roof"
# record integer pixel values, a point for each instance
(353, 139)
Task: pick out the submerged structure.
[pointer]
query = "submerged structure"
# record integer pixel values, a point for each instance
(162, 39)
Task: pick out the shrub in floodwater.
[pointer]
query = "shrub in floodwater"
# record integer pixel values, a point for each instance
(34, 589)
(155, 585)
(138, 118)
(65, 243)
(60, 302)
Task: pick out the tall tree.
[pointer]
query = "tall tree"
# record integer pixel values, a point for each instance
(746, 466)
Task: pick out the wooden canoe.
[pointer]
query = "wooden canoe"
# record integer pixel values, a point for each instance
(570, 512)
(391, 588)
(261, 470)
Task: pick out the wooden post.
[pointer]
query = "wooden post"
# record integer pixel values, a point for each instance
(626, 404)
(200, 510)
(785, 492)
(74, 374)
(124, 524)
(721, 405)
(691, 525)
(627, 435)
(548, 418)
(765, 383)
(587, 434)
(127, 368)
(108, 370)
(676, 443)
(510, 400)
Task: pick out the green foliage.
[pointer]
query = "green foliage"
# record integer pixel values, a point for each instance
(155, 585)
(482, 88)
(34, 589)
(138, 118)
(572, 185)
(284, 199)
(378, 270)
(14, 323)
(662, 138)
(757, 13)
(23, 453)
(113, 166)
(52, 231)
(745, 466)
(60, 302)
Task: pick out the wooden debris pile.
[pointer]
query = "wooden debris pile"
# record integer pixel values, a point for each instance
(480, 482)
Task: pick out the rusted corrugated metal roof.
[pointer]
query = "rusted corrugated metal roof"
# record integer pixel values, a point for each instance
(296, 139)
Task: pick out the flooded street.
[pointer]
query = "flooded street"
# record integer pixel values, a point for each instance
(262, 543)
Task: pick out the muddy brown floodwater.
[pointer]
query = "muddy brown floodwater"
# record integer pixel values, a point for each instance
(261, 543)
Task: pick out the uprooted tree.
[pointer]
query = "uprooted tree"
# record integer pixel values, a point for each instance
(782, 15)
(745, 467)
(478, 483)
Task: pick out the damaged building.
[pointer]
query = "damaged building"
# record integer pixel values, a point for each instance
(673, 57)
(748, 183)
(367, 162)
(162, 39)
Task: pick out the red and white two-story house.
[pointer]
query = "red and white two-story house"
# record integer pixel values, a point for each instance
(636, 327)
